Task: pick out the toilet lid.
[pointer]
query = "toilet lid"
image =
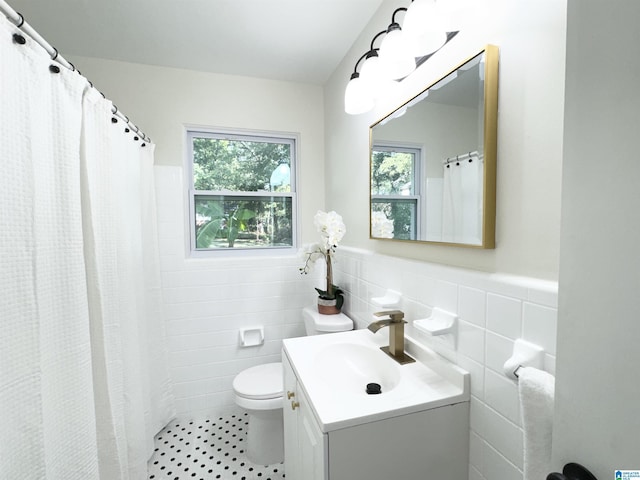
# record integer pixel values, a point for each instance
(260, 382)
(332, 323)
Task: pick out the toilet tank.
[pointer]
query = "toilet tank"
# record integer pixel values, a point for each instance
(315, 323)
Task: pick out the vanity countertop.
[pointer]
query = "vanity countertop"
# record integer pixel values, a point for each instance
(334, 370)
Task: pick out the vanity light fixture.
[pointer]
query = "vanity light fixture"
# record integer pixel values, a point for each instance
(401, 50)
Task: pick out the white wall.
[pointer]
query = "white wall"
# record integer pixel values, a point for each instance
(598, 384)
(163, 100)
(494, 310)
(207, 301)
(531, 38)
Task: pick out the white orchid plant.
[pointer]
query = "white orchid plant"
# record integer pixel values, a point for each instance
(381, 226)
(332, 229)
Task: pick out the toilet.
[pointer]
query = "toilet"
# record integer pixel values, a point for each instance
(259, 391)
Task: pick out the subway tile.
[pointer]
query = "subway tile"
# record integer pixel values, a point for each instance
(476, 449)
(497, 467)
(477, 416)
(446, 296)
(471, 341)
(427, 290)
(504, 316)
(474, 474)
(472, 305)
(539, 326)
(546, 295)
(208, 300)
(501, 394)
(504, 436)
(476, 371)
(203, 340)
(498, 350)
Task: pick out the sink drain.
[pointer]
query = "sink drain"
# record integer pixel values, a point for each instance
(374, 388)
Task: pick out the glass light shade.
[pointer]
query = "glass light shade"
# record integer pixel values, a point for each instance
(396, 55)
(357, 97)
(424, 27)
(458, 14)
(427, 43)
(372, 72)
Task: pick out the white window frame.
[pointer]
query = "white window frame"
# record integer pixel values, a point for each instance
(250, 135)
(417, 153)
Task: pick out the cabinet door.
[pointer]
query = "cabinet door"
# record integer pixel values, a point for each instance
(305, 446)
(290, 417)
(311, 442)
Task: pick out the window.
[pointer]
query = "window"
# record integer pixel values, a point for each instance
(395, 188)
(242, 191)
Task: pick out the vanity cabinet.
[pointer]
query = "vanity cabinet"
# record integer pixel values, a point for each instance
(427, 445)
(304, 443)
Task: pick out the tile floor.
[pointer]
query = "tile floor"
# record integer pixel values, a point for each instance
(207, 449)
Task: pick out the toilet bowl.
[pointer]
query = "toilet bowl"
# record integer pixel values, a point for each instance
(259, 390)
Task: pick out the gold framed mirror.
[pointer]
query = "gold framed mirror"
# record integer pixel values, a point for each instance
(433, 161)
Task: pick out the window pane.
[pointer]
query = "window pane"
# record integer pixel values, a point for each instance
(392, 173)
(241, 165)
(403, 215)
(243, 222)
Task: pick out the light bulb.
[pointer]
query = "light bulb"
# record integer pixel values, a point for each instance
(357, 96)
(424, 27)
(371, 72)
(396, 55)
(459, 14)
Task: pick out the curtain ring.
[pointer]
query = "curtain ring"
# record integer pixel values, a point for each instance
(21, 20)
(56, 55)
(19, 39)
(73, 67)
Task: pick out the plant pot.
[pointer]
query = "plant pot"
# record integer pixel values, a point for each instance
(328, 306)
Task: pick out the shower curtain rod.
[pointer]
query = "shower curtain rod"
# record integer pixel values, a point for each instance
(461, 158)
(18, 20)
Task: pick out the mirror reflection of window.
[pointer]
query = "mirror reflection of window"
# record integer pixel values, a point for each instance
(395, 191)
(454, 118)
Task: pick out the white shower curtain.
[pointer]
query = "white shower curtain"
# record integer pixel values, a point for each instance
(83, 377)
(462, 202)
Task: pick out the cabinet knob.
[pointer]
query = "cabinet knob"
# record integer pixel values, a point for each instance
(290, 395)
(294, 405)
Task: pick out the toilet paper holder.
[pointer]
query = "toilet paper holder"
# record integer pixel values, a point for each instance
(251, 336)
(525, 354)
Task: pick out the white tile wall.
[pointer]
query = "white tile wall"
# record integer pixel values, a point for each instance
(207, 301)
(494, 310)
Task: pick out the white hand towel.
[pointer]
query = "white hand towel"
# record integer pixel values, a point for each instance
(536, 389)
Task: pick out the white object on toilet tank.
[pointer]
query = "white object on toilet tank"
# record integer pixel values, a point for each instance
(251, 336)
(316, 323)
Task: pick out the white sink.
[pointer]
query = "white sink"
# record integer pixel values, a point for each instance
(349, 367)
(334, 370)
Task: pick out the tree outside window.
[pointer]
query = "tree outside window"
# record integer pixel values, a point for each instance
(395, 188)
(242, 193)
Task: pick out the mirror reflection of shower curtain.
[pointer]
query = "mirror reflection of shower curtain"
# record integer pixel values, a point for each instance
(462, 201)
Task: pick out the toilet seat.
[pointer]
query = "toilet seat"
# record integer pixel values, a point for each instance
(260, 386)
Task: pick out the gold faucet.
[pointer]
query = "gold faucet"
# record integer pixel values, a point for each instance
(395, 322)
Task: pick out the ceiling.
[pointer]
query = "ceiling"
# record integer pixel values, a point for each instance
(292, 40)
